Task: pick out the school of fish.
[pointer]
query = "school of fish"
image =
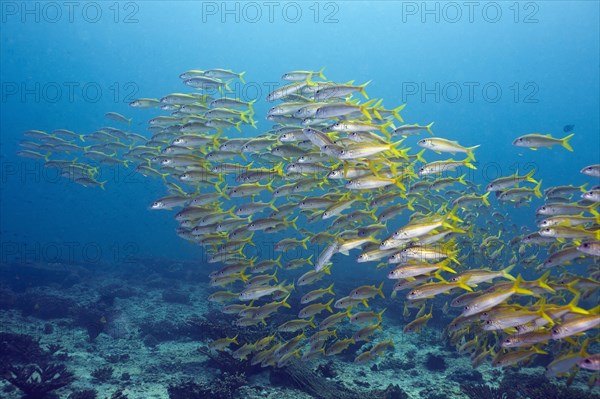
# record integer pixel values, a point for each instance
(339, 162)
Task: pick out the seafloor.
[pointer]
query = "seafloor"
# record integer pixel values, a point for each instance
(140, 330)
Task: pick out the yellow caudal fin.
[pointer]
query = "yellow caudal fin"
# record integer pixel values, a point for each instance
(400, 185)
(485, 199)
(506, 272)
(320, 73)
(420, 156)
(518, 290)
(250, 106)
(536, 190)
(227, 87)
(402, 153)
(542, 282)
(565, 142)
(303, 242)
(380, 314)
(293, 222)
(452, 215)
(364, 108)
(284, 303)
(429, 128)
(396, 113)
(241, 76)
(462, 283)
(444, 266)
(278, 261)
(362, 89)
(243, 116)
(328, 305)
(330, 289)
(529, 177)
(380, 290)
(470, 153)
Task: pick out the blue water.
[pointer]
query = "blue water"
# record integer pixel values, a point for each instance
(485, 75)
(545, 64)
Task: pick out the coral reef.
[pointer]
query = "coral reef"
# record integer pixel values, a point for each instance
(483, 391)
(45, 307)
(102, 374)
(299, 376)
(225, 362)
(327, 370)
(85, 394)
(172, 296)
(435, 362)
(519, 386)
(19, 348)
(222, 387)
(554, 391)
(466, 375)
(38, 382)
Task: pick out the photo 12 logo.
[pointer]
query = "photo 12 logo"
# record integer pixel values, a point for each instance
(253, 12)
(71, 92)
(470, 92)
(452, 12)
(52, 12)
(68, 252)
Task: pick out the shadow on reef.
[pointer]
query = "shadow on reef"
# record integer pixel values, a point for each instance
(319, 384)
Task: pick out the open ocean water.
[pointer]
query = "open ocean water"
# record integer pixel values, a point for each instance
(311, 199)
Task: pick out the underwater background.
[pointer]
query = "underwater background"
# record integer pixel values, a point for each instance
(93, 281)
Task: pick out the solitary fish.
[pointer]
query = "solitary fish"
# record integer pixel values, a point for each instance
(113, 116)
(535, 141)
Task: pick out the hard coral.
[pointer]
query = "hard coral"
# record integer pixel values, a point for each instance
(85, 394)
(552, 391)
(435, 362)
(223, 387)
(483, 391)
(38, 382)
(102, 374)
(19, 348)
